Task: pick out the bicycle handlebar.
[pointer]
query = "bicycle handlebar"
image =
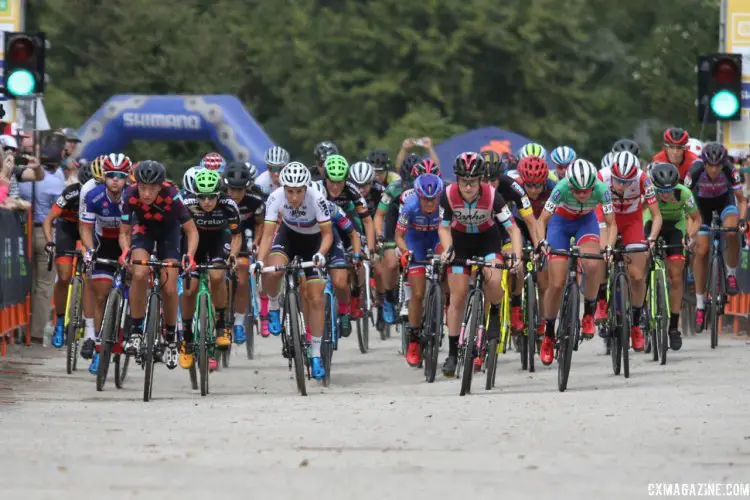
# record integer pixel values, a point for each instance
(638, 249)
(483, 263)
(111, 262)
(156, 263)
(577, 254)
(292, 266)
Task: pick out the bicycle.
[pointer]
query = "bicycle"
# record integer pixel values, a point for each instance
(231, 281)
(292, 334)
(657, 308)
(253, 308)
(151, 347)
(331, 326)
(364, 316)
(501, 344)
(114, 324)
(74, 323)
(432, 316)
(529, 345)
(716, 286)
(687, 310)
(568, 333)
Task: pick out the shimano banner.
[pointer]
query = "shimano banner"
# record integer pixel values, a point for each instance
(481, 139)
(221, 119)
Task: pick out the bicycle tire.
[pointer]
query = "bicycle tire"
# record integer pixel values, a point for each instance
(626, 323)
(202, 343)
(714, 298)
(615, 339)
(433, 332)
(568, 324)
(71, 331)
(122, 361)
(326, 346)
(225, 353)
(295, 331)
(532, 320)
(109, 334)
(662, 324)
(476, 314)
(151, 332)
(491, 364)
(250, 329)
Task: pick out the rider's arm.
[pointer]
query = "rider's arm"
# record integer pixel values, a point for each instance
(269, 229)
(233, 221)
(47, 224)
(379, 221)
(656, 221)
(405, 146)
(326, 238)
(444, 230)
(401, 227)
(609, 219)
(431, 151)
(191, 232)
(124, 237)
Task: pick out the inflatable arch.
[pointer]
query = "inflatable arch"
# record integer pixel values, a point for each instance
(221, 119)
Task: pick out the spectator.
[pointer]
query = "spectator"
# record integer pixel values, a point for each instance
(44, 192)
(70, 163)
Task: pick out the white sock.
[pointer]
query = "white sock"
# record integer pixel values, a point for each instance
(407, 292)
(315, 346)
(273, 303)
(89, 331)
(731, 271)
(239, 319)
(700, 300)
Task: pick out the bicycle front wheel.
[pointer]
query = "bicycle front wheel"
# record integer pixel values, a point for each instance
(532, 319)
(109, 334)
(151, 334)
(662, 319)
(75, 301)
(624, 321)
(326, 346)
(714, 297)
(433, 331)
(293, 312)
(567, 334)
(476, 314)
(201, 342)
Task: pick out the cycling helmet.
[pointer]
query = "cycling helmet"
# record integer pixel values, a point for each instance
(532, 149)
(563, 156)
(323, 150)
(713, 153)
(84, 174)
(207, 182)
(407, 165)
(188, 179)
(96, 168)
(362, 173)
(675, 136)
(492, 163)
(625, 166)
(469, 165)
(295, 174)
(428, 186)
(336, 168)
(379, 159)
(607, 160)
(533, 170)
(581, 174)
(426, 166)
(664, 175)
(626, 145)
(253, 170)
(508, 162)
(150, 172)
(695, 146)
(213, 161)
(237, 175)
(116, 162)
(276, 157)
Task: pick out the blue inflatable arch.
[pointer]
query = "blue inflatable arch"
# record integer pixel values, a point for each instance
(221, 119)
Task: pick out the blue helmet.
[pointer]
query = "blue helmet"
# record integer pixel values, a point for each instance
(428, 186)
(563, 156)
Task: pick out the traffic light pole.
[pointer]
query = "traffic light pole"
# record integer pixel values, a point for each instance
(722, 45)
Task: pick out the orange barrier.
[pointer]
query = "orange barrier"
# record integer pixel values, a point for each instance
(739, 308)
(18, 315)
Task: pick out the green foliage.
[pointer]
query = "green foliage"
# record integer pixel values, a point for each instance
(365, 74)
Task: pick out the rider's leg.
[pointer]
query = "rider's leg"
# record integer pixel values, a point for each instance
(458, 284)
(64, 267)
(188, 308)
(675, 268)
(732, 251)
(316, 319)
(217, 282)
(700, 268)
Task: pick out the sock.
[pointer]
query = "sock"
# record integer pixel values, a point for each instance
(315, 346)
(344, 308)
(453, 346)
(515, 301)
(731, 271)
(674, 321)
(239, 319)
(390, 296)
(589, 306)
(273, 304)
(637, 315)
(137, 325)
(407, 291)
(220, 318)
(495, 308)
(60, 320)
(187, 330)
(602, 295)
(550, 331)
(264, 305)
(90, 332)
(700, 300)
(171, 333)
(381, 298)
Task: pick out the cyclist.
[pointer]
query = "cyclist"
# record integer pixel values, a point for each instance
(493, 167)
(381, 163)
(416, 238)
(717, 186)
(188, 181)
(152, 216)
(468, 230)
(532, 149)
(213, 161)
(275, 159)
(66, 234)
(607, 160)
(102, 214)
(680, 218)
(363, 175)
(676, 151)
(569, 213)
(562, 157)
(304, 231)
(238, 177)
(628, 145)
(322, 151)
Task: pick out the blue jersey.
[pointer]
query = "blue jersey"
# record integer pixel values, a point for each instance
(412, 220)
(100, 210)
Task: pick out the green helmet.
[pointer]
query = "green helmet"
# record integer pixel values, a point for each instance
(207, 181)
(336, 168)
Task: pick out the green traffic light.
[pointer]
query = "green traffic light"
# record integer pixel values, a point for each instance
(21, 83)
(725, 104)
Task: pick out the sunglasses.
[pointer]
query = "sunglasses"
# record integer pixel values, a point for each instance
(469, 182)
(12, 150)
(116, 175)
(206, 197)
(626, 182)
(534, 186)
(664, 190)
(675, 146)
(275, 169)
(582, 191)
(712, 165)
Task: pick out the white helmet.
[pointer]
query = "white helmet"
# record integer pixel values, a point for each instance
(361, 173)
(276, 156)
(188, 179)
(253, 171)
(695, 146)
(607, 159)
(581, 174)
(625, 165)
(295, 174)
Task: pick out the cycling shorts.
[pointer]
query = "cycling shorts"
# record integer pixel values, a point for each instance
(106, 248)
(724, 205)
(292, 244)
(421, 244)
(165, 244)
(213, 247)
(630, 227)
(66, 237)
(560, 230)
(247, 230)
(673, 233)
(487, 244)
(506, 236)
(390, 223)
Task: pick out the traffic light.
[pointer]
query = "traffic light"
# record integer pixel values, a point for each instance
(719, 87)
(23, 71)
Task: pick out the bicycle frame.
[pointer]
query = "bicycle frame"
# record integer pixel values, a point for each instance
(204, 291)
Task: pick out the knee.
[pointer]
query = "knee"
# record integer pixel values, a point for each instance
(169, 287)
(140, 274)
(315, 301)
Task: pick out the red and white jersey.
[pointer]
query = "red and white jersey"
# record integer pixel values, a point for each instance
(630, 201)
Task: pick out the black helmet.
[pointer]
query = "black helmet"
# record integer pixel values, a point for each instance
(379, 159)
(664, 175)
(237, 175)
(150, 172)
(407, 164)
(323, 150)
(492, 162)
(84, 173)
(627, 145)
(713, 153)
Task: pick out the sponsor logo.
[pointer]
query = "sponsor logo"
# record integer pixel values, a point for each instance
(159, 120)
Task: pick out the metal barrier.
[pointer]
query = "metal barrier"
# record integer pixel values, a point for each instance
(15, 310)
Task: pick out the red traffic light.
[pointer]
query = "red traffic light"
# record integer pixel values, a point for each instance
(20, 50)
(725, 71)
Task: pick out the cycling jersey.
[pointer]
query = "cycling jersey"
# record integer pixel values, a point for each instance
(680, 205)
(87, 186)
(728, 180)
(350, 194)
(476, 216)
(629, 202)
(104, 213)
(225, 215)
(514, 194)
(420, 231)
(684, 167)
(305, 219)
(263, 182)
(562, 201)
(67, 204)
(374, 196)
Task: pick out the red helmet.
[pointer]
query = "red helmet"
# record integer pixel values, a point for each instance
(675, 136)
(625, 165)
(469, 165)
(426, 166)
(533, 170)
(213, 161)
(116, 162)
